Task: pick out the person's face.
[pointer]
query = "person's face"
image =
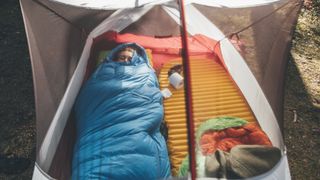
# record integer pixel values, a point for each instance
(125, 55)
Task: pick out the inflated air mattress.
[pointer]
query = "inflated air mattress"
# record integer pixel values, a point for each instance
(214, 95)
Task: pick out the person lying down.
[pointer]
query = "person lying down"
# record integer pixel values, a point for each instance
(118, 113)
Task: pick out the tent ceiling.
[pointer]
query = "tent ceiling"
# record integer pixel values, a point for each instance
(81, 18)
(232, 3)
(112, 5)
(147, 25)
(232, 20)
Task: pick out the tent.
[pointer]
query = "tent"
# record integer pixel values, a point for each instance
(253, 38)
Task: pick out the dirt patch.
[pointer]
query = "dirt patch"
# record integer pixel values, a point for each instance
(302, 98)
(17, 113)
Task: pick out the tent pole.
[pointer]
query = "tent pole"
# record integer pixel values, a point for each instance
(188, 92)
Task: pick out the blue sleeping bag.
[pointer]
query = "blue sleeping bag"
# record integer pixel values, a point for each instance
(118, 112)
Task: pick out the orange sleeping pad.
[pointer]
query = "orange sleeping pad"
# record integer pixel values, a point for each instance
(214, 95)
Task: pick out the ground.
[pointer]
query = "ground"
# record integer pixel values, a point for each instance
(302, 96)
(17, 112)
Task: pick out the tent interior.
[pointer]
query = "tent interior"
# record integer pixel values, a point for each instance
(66, 42)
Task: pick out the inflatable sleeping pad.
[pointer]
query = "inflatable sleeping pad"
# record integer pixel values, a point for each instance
(214, 95)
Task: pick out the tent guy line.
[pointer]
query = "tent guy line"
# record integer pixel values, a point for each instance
(264, 17)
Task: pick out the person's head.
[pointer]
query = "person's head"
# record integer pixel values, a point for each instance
(124, 55)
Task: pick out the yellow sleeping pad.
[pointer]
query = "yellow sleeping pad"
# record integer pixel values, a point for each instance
(214, 95)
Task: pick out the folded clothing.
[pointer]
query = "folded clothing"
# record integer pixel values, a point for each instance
(242, 161)
(225, 139)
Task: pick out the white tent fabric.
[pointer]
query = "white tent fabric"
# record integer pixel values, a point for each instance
(111, 4)
(54, 133)
(196, 22)
(232, 3)
(254, 95)
(39, 174)
(119, 20)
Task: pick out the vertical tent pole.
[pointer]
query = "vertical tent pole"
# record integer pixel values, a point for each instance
(188, 92)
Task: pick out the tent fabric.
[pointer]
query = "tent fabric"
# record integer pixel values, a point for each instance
(196, 22)
(254, 96)
(60, 42)
(120, 19)
(83, 19)
(55, 48)
(233, 3)
(265, 42)
(118, 113)
(150, 27)
(47, 55)
(109, 4)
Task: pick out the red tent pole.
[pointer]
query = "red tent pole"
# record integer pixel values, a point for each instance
(188, 93)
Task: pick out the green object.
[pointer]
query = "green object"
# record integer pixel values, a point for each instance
(184, 167)
(214, 124)
(101, 57)
(217, 124)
